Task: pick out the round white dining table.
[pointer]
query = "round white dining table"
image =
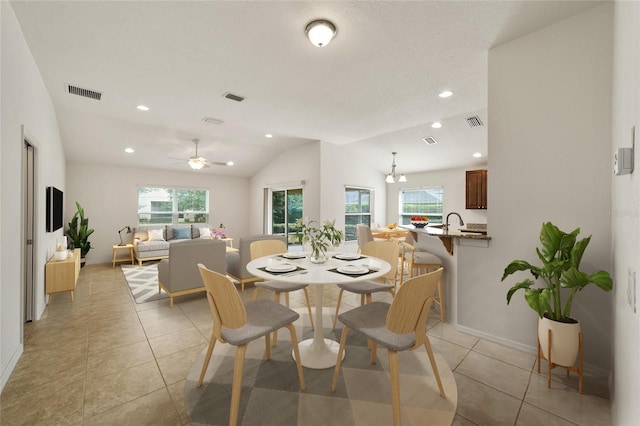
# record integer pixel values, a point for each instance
(318, 352)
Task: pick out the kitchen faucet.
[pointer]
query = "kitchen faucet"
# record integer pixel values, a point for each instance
(446, 226)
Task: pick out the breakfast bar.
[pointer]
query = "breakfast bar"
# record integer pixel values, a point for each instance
(475, 236)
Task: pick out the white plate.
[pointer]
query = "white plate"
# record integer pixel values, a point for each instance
(293, 255)
(348, 256)
(353, 270)
(283, 267)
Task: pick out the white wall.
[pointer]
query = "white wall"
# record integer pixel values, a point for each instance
(341, 166)
(453, 182)
(289, 169)
(25, 102)
(625, 212)
(326, 170)
(549, 160)
(109, 197)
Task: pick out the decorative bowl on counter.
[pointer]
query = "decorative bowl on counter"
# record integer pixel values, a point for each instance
(419, 221)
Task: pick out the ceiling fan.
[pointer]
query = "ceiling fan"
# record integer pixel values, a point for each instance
(196, 162)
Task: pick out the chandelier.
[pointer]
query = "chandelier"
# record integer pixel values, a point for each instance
(391, 177)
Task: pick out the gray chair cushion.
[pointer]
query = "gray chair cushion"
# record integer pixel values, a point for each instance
(180, 271)
(425, 258)
(280, 286)
(370, 320)
(152, 246)
(237, 261)
(364, 287)
(263, 317)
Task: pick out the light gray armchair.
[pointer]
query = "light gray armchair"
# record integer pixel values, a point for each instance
(237, 262)
(179, 274)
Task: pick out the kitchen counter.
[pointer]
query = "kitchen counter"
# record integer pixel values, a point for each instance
(447, 237)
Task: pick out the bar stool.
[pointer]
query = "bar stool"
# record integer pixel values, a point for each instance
(422, 262)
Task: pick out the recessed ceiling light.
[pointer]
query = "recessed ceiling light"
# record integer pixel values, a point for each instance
(446, 94)
(129, 150)
(230, 163)
(143, 108)
(268, 135)
(477, 155)
(436, 125)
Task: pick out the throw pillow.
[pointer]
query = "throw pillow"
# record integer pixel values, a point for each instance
(205, 232)
(181, 233)
(155, 235)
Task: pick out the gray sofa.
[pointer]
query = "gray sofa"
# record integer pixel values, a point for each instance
(146, 249)
(179, 275)
(237, 262)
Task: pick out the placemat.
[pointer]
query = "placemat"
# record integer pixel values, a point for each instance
(283, 272)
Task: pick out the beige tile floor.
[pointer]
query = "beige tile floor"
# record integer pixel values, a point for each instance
(105, 360)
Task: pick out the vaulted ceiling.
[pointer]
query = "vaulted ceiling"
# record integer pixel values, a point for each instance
(375, 86)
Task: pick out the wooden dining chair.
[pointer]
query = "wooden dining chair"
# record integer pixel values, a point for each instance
(264, 248)
(239, 324)
(416, 262)
(398, 326)
(385, 250)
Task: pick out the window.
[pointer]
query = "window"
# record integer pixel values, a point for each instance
(357, 209)
(424, 202)
(166, 206)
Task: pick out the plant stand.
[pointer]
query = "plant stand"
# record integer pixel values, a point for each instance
(550, 365)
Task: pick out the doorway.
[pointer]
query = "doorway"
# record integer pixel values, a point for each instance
(29, 200)
(286, 208)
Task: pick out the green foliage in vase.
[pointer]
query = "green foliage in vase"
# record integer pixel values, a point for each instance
(560, 255)
(319, 237)
(79, 231)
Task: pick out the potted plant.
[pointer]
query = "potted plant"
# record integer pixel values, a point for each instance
(562, 279)
(318, 237)
(79, 232)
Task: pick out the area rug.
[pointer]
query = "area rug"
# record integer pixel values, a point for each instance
(271, 396)
(143, 282)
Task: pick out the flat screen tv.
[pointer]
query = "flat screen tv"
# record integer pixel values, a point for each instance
(54, 208)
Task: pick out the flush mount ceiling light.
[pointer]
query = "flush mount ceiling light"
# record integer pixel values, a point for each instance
(320, 32)
(391, 177)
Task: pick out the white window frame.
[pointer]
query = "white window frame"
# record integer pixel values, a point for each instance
(177, 217)
(347, 214)
(434, 217)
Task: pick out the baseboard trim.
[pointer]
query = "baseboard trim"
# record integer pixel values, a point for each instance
(588, 368)
(11, 365)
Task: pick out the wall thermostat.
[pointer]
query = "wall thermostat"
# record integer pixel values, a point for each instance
(623, 161)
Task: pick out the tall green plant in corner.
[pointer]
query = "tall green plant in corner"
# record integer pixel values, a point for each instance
(79, 231)
(560, 256)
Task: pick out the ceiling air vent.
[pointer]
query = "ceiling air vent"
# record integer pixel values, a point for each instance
(429, 140)
(87, 93)
(233, 97)
(212, 120)
(474, 121)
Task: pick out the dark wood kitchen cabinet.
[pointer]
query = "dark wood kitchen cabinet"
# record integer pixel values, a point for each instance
(476, 189)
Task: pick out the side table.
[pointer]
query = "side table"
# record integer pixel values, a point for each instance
(228, 242)
(117, 247)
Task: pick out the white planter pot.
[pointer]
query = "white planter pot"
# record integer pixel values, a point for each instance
(565, 341)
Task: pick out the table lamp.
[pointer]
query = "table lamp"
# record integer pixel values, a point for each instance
(128, 228)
